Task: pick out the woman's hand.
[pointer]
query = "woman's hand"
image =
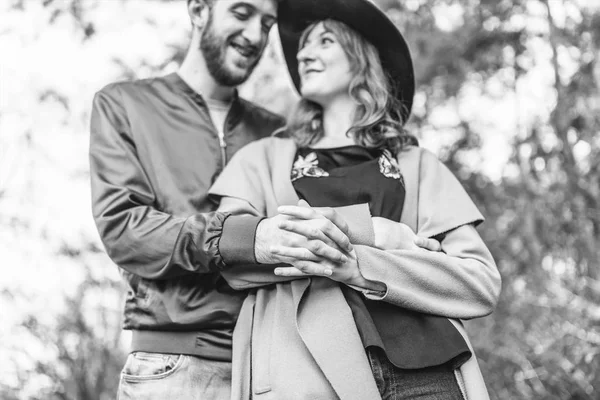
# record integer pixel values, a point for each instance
(345, 272)
(325, 226)
(390, 235)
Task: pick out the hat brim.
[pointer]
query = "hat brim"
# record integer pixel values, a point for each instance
(294, 16)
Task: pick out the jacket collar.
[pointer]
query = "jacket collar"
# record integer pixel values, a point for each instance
(237, 104)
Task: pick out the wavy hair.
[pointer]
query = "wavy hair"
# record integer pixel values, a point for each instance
(378, 119)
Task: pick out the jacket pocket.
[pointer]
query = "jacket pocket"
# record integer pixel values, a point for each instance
(142, 366)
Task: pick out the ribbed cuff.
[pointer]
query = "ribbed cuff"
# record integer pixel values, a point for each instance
(237, 239)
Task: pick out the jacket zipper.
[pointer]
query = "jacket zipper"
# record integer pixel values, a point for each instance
(223, 146)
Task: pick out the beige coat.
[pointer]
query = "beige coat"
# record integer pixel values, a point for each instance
(297, 339)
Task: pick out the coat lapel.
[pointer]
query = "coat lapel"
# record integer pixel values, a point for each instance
(409, 162)
(328, 330)
(282, 157)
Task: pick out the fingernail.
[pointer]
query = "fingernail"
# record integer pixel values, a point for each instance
(344, 259)
(328, 272)
(277, 271)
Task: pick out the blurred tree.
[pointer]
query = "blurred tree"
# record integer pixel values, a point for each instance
(542, 213)
(75, 355)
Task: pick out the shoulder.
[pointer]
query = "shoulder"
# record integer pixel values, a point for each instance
(268, 146)
(123, 90)
(421, 158)
(261, 115)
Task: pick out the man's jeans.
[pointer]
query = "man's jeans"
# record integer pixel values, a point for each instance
(154, 376)
(404, 384)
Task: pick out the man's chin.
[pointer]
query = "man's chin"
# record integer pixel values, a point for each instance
(238, 71)
(232, 76)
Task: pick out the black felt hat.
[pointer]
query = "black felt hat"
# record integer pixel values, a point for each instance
(294, 16)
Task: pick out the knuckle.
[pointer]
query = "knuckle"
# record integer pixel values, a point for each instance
(326, 225)
(328, 212)
(303, 267)
(344, 226)
(307, 254)
(315, 246)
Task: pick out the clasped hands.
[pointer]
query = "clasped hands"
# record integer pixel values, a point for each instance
(314, 242)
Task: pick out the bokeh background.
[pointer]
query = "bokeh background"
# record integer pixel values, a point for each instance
(508, 96)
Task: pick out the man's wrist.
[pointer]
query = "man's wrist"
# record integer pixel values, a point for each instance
(236, 245)
(260, 252)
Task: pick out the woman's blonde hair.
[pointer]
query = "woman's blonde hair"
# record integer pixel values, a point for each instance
(378, 120)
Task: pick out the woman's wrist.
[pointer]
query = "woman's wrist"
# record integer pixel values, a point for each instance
(364, 285)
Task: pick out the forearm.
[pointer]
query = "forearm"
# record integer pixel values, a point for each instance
(245, 277)
(460, 282)
(155, 245)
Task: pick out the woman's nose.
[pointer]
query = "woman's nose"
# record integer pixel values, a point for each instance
(305, 55)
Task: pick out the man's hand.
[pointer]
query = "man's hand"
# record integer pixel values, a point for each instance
(277, 241)
(322, 224)
(390, 235)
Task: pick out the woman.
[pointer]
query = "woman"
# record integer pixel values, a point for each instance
(375, 325)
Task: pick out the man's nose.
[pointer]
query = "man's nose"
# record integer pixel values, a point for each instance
(253, 31)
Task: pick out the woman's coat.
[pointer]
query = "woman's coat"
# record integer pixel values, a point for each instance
(307, 324)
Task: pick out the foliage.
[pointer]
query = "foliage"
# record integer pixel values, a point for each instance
(542, 212)
(76, 354)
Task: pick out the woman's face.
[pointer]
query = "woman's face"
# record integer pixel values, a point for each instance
(324, 68)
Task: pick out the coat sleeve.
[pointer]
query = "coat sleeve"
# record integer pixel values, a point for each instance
(138, 237)
(461, 281)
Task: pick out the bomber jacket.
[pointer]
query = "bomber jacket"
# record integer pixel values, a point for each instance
(154, 152)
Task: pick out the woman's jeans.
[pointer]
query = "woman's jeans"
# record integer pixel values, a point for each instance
(405, 384)
(154, 376)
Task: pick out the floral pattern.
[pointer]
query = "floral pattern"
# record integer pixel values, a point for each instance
(388, 166)
(307, 166)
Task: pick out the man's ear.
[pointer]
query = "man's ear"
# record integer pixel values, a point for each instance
(198, 11)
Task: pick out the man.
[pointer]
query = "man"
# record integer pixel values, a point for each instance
(156, 147)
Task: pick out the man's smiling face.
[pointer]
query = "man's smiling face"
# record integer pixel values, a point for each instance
(235, 37)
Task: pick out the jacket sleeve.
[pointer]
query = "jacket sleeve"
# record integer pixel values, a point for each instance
(138, 237)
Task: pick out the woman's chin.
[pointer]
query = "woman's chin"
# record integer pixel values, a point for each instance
(314, 96)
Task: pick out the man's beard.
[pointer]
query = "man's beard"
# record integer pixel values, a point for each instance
(213, 49)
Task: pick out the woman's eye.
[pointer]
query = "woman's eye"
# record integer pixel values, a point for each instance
(326, 40)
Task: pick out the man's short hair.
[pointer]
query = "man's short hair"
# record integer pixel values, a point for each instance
(211, 3)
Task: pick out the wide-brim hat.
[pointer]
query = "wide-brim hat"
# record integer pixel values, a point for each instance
(294, 16)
